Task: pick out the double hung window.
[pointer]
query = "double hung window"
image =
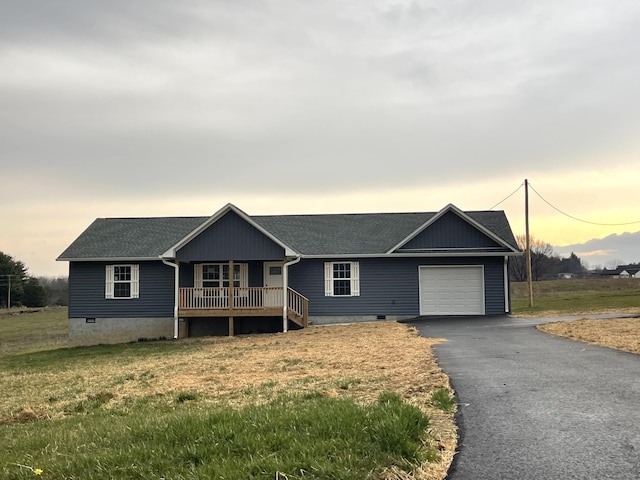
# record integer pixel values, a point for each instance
(342, 279)
(122, 281)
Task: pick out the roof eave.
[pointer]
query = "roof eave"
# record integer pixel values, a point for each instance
(106, 259)
(417, 254)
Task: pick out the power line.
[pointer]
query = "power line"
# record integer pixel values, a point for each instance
(508, 196)
(578, 219)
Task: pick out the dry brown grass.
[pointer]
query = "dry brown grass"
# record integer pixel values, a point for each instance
(357, 361)
(619, 333)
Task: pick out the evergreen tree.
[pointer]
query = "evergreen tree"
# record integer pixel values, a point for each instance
(18, 286)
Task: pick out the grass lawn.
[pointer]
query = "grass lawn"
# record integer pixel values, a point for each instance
(346, 402)
(576, 297)
(582, 297)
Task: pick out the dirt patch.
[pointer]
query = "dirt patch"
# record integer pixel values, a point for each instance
(619, 333)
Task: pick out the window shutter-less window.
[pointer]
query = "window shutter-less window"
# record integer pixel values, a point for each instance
(135, 281)
(108, 283)
(355, 279)
(328, 279)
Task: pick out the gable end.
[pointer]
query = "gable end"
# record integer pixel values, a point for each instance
(230, 237)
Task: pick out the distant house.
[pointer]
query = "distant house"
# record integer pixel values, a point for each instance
(132, 278)
(565, 276)
(622, 271)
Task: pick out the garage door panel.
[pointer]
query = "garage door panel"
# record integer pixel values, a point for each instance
(451, 290)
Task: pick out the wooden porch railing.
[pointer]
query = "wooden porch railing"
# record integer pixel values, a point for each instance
(298, 304)
(244, 301)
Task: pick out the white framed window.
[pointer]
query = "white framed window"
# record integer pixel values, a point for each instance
(122, 281)
(342, 279)
(216, 275)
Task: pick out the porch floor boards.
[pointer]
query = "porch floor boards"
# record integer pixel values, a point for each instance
(236, 312)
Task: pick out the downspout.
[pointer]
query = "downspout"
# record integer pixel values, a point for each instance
(176, 295)
(285, 291)
(507, 290)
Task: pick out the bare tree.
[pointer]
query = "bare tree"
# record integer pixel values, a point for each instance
(613, 264)
(542, 260)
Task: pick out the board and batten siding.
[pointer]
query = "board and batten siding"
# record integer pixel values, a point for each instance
(389, 286)
(87, 291)
(230, 238)
(450, 231)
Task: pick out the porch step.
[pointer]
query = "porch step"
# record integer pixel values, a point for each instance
(296, 318)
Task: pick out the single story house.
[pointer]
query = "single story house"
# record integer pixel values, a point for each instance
(622, 271)
(133, 278)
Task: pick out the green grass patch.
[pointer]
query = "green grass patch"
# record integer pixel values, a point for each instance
(84, 357)
(577, 296)
(443, 399)
(303, 437)
(31, 330)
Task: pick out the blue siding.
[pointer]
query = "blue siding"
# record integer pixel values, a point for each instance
(450, 231)
(87, 292)
(230, 238)
(389, 286)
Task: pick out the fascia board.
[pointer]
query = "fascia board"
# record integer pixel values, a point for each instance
(107, 259)
(171, 253)
(414, 255)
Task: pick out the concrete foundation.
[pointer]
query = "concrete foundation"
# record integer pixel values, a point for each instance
(330, 320)
(93, 331)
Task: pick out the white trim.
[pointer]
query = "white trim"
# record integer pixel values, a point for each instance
(109, 259)
(449, 267)
(354, 279)
(415, 255)
(110, 281)
(422, 254)
(505, 274)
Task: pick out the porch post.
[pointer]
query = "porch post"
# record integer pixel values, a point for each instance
(285, 296)
(231, 292)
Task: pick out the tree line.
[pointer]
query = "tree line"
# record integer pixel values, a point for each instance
(545, 264)
(19, 289)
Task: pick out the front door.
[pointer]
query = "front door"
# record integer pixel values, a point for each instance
(273, 283)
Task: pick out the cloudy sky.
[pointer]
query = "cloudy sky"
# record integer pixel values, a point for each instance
(151, 108)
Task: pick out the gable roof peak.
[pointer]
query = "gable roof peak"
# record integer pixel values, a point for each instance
(229, 207)
(450, 207)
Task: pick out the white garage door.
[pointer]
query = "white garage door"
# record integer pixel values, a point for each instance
(452, 290)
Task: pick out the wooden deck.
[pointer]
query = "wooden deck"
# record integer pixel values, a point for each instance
(243, 302)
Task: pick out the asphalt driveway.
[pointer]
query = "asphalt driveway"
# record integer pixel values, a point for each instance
(534, 406)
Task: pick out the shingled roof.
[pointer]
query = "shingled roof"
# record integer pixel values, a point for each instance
(330, 234)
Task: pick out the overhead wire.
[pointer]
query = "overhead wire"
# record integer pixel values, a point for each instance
(571, 216)
(508, 196)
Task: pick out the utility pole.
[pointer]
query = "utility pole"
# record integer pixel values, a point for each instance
(528, 243)
(9, 288)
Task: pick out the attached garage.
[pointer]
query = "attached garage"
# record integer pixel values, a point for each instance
(452, 290)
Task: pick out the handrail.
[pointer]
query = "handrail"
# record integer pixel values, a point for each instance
(217, 298)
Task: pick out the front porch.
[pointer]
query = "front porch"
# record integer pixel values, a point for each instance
(234, 302)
